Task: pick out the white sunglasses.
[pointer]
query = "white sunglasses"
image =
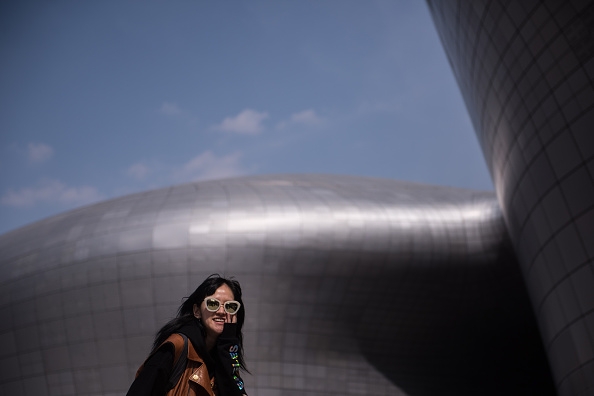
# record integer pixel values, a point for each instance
(213, 305)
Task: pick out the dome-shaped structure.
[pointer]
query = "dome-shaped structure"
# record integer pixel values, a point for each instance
(350, 284)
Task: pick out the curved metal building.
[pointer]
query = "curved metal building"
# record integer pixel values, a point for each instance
(352, 285)
(526, 71)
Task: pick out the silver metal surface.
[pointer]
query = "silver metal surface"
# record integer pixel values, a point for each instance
(526, 70)
(351, 285)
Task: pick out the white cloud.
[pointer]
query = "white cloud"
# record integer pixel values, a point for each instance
(305, 117)
(210, 166)
(39, 152)
(248, 122)
(138, 171)
(50, 191)
(308, 117)
(170, 109)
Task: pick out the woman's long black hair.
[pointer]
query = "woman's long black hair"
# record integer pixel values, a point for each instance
(185, 313)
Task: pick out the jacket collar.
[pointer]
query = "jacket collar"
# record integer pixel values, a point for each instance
(198, 352)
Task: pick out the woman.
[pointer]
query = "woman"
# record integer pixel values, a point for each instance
(208, 363)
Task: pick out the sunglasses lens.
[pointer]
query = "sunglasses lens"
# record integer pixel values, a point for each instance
(212, 305)
(232, 307)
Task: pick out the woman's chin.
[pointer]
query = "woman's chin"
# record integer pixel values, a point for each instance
(217, 327)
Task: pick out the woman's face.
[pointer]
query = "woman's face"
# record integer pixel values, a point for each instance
(214, 322)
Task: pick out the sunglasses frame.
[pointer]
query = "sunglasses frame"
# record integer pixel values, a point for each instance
(222, 304)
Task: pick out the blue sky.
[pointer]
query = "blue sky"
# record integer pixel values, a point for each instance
(106, 98)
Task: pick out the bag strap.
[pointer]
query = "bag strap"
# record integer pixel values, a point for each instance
(181, 358)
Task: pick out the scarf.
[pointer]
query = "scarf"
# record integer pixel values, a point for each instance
(217, 360)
